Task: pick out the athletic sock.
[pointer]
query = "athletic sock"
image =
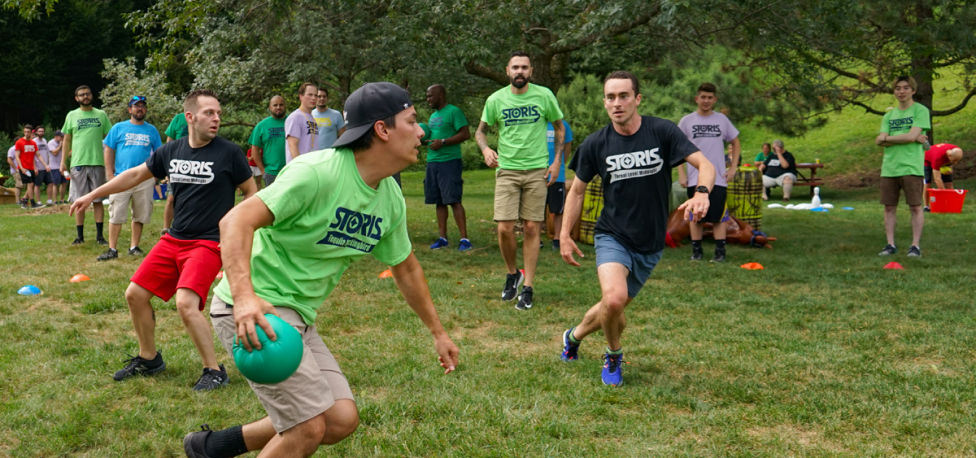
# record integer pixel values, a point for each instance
(226, 443)
(720, 245)
(615, 352)
(696, 244)
(81, 231)
(98, 229)
(572, 338)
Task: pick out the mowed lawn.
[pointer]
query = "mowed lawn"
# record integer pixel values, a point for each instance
(823, 353)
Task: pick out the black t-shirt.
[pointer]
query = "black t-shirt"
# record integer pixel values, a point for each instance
(203, 181)
(636, 173)
(773, 168)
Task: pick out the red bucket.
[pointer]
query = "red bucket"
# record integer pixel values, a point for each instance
(946, 200)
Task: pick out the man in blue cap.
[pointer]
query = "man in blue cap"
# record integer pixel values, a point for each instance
(285, 251)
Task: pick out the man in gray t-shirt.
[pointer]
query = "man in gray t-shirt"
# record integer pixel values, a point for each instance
(300, 127)
(329, 121)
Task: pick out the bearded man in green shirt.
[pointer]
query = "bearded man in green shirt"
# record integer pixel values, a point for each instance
(84, 129)
(522, 112)
(285, 251)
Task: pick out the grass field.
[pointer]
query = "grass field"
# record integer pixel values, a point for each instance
(824, 353)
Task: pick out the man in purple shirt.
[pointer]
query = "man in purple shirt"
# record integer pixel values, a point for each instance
(300, 126)
(710, 131)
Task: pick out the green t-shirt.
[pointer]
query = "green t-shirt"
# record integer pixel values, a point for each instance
(521, 123)
(761, 157)
(269, 135)
(426, 136)
(87, 129)
(445, 123)
(177, 127)
(325, 217)
(907, 158)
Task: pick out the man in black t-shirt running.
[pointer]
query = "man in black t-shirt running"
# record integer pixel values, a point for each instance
(203, 171)
(634, 156)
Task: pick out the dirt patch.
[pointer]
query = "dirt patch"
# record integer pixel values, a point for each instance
(54, 209)
(797, 435)
(867, 178)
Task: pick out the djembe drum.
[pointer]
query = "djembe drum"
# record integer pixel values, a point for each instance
(745, 196)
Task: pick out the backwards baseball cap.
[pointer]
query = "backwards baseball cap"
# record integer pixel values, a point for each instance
(136, 99)
(368, 104)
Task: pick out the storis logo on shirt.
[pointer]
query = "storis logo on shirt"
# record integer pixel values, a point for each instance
(621, 166)
(190, 172)
(350, 223)
(700, 130)
(133, 139)
(521, 115)
(901, 123)
(276, 132)
(313, 128)
(87, 123)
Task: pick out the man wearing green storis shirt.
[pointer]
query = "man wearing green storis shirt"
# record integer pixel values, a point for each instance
(443, 185)
(284, 252)
(522, 111)
(902, 135)
(84, 129)
(268, 141)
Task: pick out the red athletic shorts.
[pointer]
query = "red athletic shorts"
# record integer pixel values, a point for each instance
(174, 264)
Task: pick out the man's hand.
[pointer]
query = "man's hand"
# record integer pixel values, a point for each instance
(880, 138)
(553, 174)
(922, 139)
(730, 173)
(81, 204)
(248, 314)
(694, 208)
(491, 157)
(436, 144)
(447, 353)
(64, 170)
(566, 249)
(683, 181)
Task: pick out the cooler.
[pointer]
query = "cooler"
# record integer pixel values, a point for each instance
(946, 200)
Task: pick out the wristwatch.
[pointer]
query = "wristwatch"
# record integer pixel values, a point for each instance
(703, 189)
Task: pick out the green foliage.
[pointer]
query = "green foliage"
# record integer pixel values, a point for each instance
(128, 81)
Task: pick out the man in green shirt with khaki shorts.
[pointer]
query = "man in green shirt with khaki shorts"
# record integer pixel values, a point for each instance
(522, 111)
(84, 129)
(285, 251)
(902, 135)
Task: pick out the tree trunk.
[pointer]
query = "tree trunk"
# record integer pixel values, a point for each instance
(922, 67)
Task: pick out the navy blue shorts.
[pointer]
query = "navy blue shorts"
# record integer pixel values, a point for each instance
(443, 184)
(928, 176)
(640, 265)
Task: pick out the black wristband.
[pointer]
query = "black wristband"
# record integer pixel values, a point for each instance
(702, 189)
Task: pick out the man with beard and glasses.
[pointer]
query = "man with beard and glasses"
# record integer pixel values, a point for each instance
(522, 111)
(129, 145)
(268, 141)
(203, 170)
(329, 121)
(84, 129)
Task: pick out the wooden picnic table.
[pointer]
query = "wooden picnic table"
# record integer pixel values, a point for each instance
(812, 180)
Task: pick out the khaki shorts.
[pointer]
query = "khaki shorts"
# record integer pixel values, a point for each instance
(520, 194)
(84, 179)
(771, 182)
(311, 390)
(18, 183)
(142, 204)
(912, 184)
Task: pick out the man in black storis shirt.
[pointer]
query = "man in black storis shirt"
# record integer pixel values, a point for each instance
(634, 156)
(203, 171)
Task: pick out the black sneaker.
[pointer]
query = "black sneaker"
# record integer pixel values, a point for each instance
(555, 245)
(927, 210)
(78, 241)
(101, 241)
(137, 365)
(108, 255)
(212, 379)
(135, 251)
(512, 282)
(525, 299)
(35, 205)
(719, 256)
(696, 254)
(914, 252)
(195, 443)
(888, 250)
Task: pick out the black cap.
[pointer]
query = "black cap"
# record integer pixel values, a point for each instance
(368, 104)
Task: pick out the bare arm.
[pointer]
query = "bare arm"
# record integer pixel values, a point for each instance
(736, 154)
(481, 136)
(342, 130)
(937, 179)
(127, 180)
(782, 159)
(109, 155)
(696, 207)
(67, 153)
(559, 131)
(237, 229)
(462, 135)
(571, 213)
(891, 140)
(292, 143)
(682, 176)
(409, 278)
(257, 153)
(249, 188)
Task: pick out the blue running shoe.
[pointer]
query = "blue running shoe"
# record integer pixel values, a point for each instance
(465, 245)
(440, 243)
(570, 350)
(611, 370)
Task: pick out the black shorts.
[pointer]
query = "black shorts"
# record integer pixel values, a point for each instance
(717, 211)
(443, 184)
(928, 176)
(556, 198)
(28, 179)
(42, 177)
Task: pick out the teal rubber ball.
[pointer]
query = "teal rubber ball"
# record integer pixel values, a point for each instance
(276, 360)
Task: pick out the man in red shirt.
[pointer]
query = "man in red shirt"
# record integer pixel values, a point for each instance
(26, 149)
(936, 157)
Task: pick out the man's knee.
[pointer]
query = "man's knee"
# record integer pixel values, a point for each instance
(339, 427)
(307, 436)
(136, 295)
(530, 228)
(614, 301)
(506, 228)
(787, 180)
(187, 303)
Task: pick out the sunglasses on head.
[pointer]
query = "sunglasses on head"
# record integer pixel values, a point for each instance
(136, 99)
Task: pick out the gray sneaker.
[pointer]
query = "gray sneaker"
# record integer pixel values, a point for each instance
(914, 252)
(137, 365)
(888, 250)
(212, 379)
